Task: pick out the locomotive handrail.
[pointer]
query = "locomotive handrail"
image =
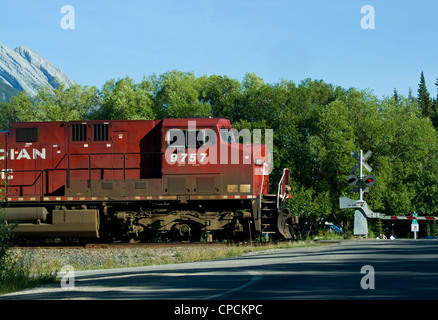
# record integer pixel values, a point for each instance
(68, 169)
(284, 179)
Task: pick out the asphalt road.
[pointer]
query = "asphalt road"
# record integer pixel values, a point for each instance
(356, 269)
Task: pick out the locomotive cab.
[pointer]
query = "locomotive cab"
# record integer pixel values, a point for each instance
(203, 156)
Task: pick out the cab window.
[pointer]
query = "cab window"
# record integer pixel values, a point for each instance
(190, 138)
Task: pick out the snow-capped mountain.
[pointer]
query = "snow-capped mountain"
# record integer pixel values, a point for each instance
(24, 69)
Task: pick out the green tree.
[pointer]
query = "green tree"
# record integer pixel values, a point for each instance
(424, 101)
(403, 160)
(6, 236)
(223, 94)
(434, 229)
(6, 240)
(315, 140)
(379, 227)
(427, 229)
(66, 104)
(177, 95)
(330, 148)
(395, 95)
(19, 108)
(314, 208)
(435, 108)
(124, 99)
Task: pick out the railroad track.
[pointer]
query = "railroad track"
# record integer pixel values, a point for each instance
(123, 245)
(154, 245)
(146, 245)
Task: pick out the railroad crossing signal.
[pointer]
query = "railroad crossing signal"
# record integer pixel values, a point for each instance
(370, 180)
(365, 157)
(353, 180)
(360, 179)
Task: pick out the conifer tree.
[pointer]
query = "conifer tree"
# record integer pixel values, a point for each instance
(435, 108)
(436, 83)
(434, 229)
(411, 99)
(395, 96)
(424, 101)
(379, 227)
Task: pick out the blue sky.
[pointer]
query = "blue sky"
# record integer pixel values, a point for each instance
(276, 39)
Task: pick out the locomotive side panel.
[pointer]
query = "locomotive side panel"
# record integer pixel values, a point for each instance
(33, 157)
(132, 179)
(115, 159)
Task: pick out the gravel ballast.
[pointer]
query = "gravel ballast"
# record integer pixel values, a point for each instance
(46, 259)
(53, 259)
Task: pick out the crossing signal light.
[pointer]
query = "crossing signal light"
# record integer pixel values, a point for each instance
(369, 180)
(352, 180)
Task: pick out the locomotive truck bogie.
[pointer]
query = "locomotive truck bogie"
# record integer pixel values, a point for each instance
(183, 221)
(134, 179)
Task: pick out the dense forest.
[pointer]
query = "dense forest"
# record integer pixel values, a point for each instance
(316, 126)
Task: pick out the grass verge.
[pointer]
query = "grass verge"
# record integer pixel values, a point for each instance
(235, 251)
(15, 277)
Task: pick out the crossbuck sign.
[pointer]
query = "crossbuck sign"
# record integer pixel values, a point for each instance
(364, 157)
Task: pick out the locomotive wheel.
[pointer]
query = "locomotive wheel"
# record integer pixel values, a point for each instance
(184, 231)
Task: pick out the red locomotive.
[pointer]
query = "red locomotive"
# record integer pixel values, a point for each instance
(136, 179)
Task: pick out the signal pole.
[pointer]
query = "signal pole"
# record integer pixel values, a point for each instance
(360, 176)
